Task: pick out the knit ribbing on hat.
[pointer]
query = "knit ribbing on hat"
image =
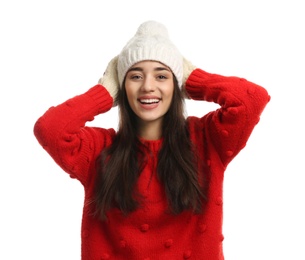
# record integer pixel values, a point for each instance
(151, 42)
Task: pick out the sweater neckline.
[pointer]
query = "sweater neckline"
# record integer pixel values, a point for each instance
(152, 145)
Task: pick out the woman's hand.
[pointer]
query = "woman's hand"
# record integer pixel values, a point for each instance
(110, 78)
(188, 68)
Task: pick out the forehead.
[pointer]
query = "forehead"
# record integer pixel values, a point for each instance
(149, 64)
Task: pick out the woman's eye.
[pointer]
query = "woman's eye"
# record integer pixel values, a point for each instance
(162, 77)
(135, 77)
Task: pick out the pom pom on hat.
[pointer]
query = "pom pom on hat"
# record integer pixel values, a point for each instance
(151, 42)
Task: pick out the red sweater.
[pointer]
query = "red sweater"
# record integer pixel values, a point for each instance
(150, 232)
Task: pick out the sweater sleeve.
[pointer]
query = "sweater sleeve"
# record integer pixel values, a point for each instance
(241, 104)
(61, 131)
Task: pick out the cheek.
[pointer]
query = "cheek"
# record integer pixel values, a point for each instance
(169, 94)
(128, 93)
(130, 97)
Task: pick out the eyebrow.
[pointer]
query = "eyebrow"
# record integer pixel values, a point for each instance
(155, 69)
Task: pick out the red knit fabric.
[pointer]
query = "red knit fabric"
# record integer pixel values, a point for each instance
(151, 232)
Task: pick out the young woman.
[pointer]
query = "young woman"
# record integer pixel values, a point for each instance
(153, 188)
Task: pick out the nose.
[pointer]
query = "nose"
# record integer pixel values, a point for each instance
(148, 84)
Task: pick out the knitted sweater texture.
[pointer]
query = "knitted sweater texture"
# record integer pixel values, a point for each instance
(151, 233)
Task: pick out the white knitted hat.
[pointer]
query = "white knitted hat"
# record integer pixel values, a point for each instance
(151, 42)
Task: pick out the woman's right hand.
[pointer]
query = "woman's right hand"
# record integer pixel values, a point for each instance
(110, 78)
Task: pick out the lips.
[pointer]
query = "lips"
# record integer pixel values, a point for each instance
(149, 101)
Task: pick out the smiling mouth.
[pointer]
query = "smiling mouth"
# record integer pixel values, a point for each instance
(149, 101)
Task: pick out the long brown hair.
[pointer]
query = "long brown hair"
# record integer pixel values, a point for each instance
(119, 166)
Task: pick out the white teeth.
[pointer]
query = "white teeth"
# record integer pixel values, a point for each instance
(149, 101)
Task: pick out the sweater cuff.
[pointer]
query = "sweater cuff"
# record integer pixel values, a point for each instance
(101, 98)
(196, 82)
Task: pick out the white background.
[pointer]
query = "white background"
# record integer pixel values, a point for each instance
(53, 50)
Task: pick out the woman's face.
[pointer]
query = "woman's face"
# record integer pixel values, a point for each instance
(149, 87)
